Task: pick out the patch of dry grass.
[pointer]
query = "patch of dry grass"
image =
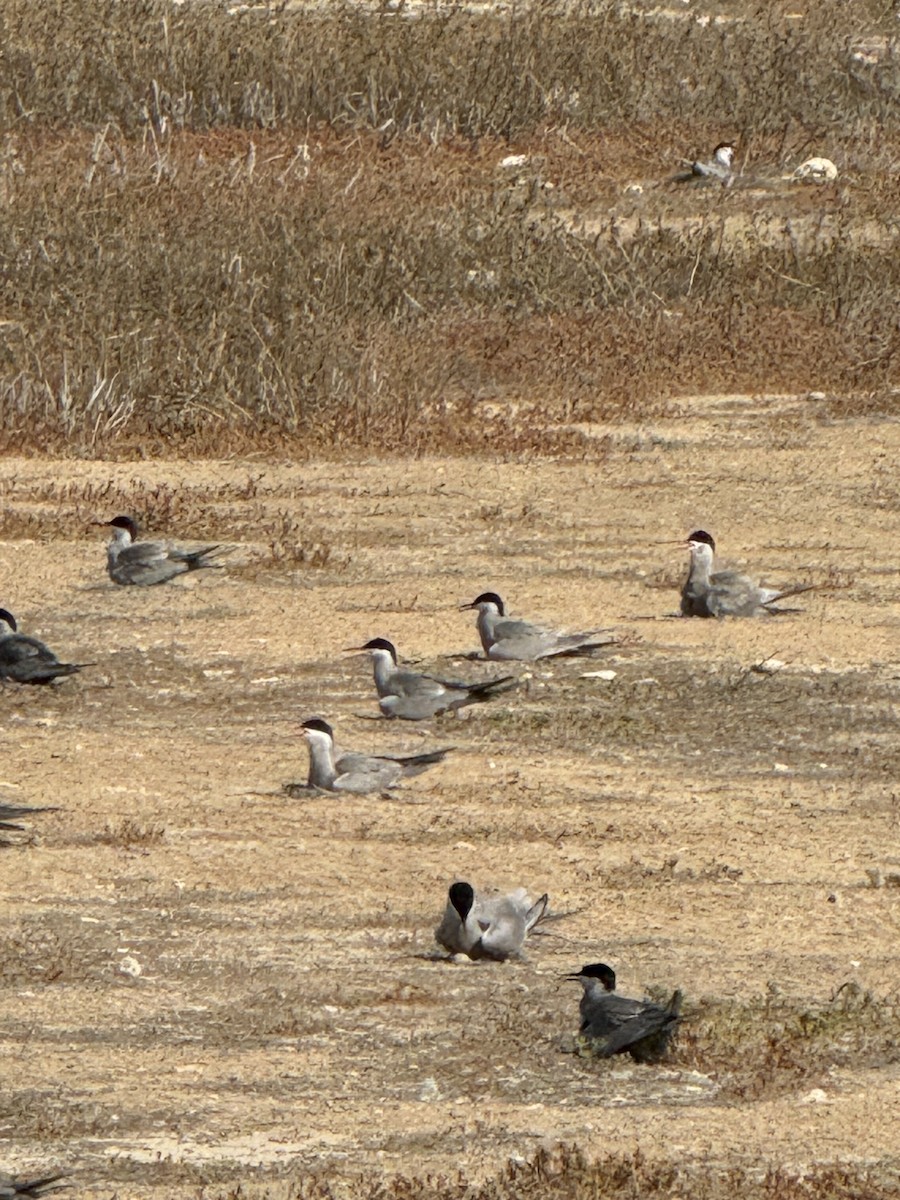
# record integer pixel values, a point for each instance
(399, 298)
(559, 1173)
(443, 71)
(286, 229)
(777, 1045)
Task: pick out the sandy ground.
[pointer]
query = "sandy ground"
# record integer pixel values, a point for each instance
(704, 825)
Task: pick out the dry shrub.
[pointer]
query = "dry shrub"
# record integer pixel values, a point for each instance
(401, 298)
(565, 1173)
(777, 1045)
(285, 230)
(129, 834)
(444, 71)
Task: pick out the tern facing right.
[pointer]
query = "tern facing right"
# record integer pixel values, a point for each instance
(492, 927)
(504, 639)
(141, 564)
(25, 659)
(358, 773)
(617, 1024)
(719, 167)
(708, 593)
(415, 697)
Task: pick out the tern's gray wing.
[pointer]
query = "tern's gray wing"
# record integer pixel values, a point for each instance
(505, 923)
(364, 773)
(11, 1188)
(522, 641)
(604, 1012)
(646, 1035)
(424, 687)
(751, 601)
(11, 813)
(501, 920)
(145, 564)
(27, 660)
(415, 697)
(415, 764)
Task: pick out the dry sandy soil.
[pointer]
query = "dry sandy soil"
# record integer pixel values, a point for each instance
(704, 825)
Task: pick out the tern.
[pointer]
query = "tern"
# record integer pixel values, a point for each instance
(504, 639)
(11, 813)
(719, 168)
(26, 660)
(485, 926)
(709, 593)
(358, 773)
(10, 1188)
(616, 1024)
(414, 697)
(144, 563)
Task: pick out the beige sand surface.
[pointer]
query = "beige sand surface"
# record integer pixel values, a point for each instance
(707, 826)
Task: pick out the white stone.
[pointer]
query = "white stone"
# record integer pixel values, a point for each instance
(817, 170)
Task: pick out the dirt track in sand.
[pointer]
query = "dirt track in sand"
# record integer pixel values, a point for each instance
(708, 827)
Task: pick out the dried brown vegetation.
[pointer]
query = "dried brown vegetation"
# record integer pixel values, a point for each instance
(287, 229)
(775, 1046)
(560, 1173)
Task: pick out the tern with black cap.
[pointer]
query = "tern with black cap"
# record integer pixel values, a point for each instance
(616, 1024)
(142, 564)
(504, 639)
(710, 593)
(414, 697)
(489, 926)
(345, 771)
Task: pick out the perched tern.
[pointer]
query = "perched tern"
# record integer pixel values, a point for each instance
(709, 593)
(10, 814)
(618, 1024)
(415, 697)
(141, 564)
(485, 926)
(504, 639)
(331, 771)
(718, 169)
(26, 660)
(11, 1188)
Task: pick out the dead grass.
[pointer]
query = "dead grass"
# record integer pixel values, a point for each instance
(424, 310)
(288, 231)
(561, 1172)
(776, 1045)
(442, 71)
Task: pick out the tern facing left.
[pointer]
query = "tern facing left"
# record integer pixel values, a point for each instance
(414, 697)
(361, 774)
(24, 659)
(142, 564)
(504, 639)
(616, 1024)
